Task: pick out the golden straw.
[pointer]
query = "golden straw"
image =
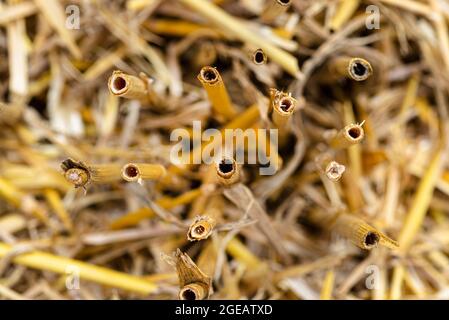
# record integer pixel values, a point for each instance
(348, 136)
(49, 262)
(130, 87)
(201, 228)
(360, 233)
(212, 82)
(79, 174)
(274, 9)
(194, 283)
(345, 11)
(239, 30)
(282, 106)
(142, 171)
(228, 171)
(357, 69)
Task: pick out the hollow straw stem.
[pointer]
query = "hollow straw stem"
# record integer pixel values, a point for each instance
(193, 291)
(350, 135)
(127, 86)
(274, 9)
(282, 106)
(228, 171)
(80, 174)
(334, 170)
(201, 228)
(259, 57)
(194, 283)
(212, 82)
(105, 173)
(361, 233)
(345, 10)
(142, 171)
(355, 68)
(239, 30)
(49, 262)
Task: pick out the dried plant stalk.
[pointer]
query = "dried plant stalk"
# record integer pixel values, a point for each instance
(228, 171)
(142, 171)
(360, 233)
(348, 136)
(421, 200)
(328, 285)
(194, 284)
(212, 82)
(357, 69)
(282, 106)
(80, 174)
(130, 87)
(345, 10)
(201, 228)
(48, 262)
(240, 31)
(334, 171)
(330, 168)
(274, 9)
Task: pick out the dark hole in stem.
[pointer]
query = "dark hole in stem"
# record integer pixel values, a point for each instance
(359, 69)
(200, 229)
(259, 57)
(371, 239)
(226, 166)
(354, 132)
(284, 1)
(119, 83)
(188, 294)
(286, 105)
(209, 75)
(131, 171)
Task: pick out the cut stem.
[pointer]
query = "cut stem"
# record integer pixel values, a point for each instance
(194, 284)
(282, 106)
(80, 174)
(130, 87)
(212, 82)
(357, 69)
(142, 171)
(360, 233)
(201, 228)
(350, 135)
(228, 171)
(274, 9)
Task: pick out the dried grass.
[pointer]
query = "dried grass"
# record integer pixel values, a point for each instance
(286, 236)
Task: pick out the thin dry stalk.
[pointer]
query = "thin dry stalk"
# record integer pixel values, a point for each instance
(132, 172)
(212, 82)
(357, 69)
(240, 31)
(201, 228)
(130, 87)
(228, 171)
(193, 283)
(274, 9)
(80, 174)
(348, 136)
(281, 108)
